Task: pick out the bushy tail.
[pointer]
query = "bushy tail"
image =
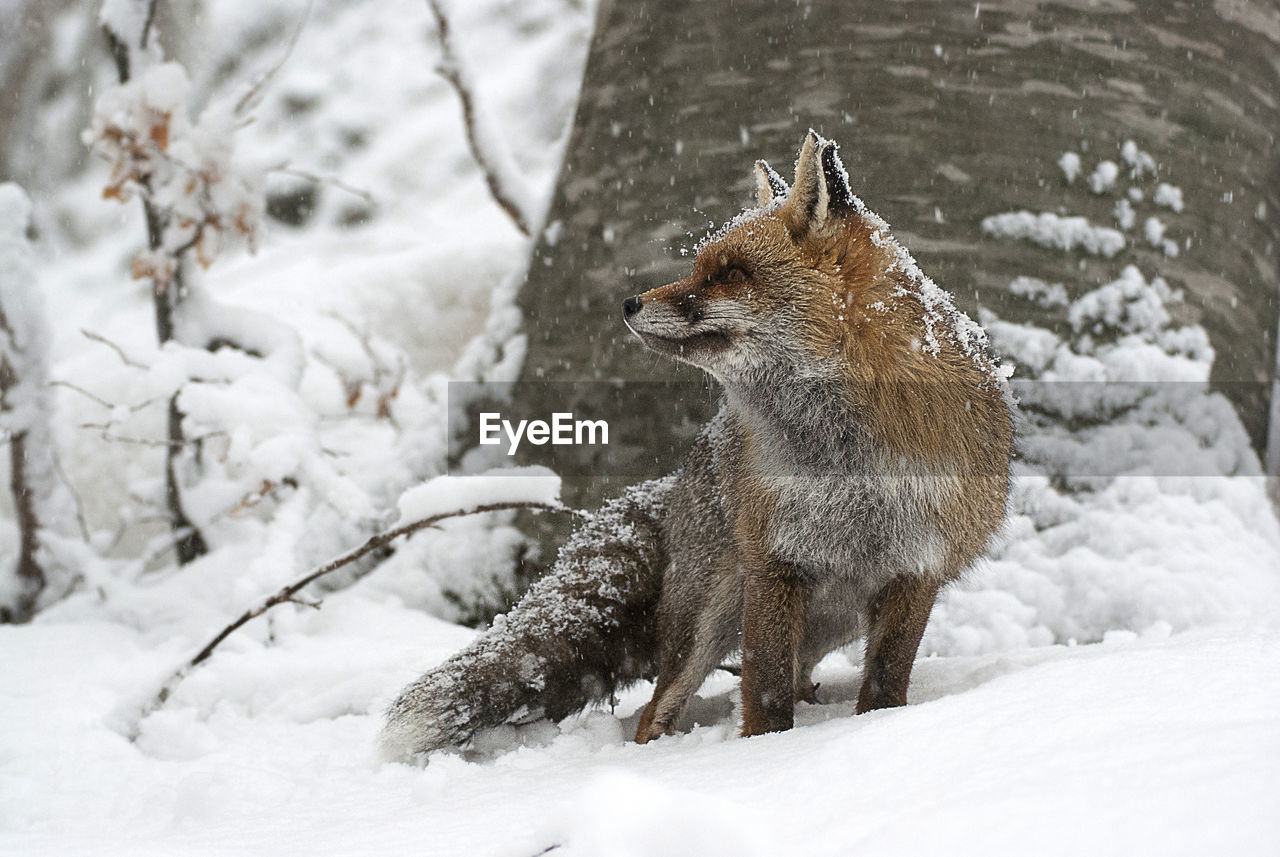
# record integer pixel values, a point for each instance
(587, 628)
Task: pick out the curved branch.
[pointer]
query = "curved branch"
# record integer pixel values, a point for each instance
(250, 97)
(482, 149)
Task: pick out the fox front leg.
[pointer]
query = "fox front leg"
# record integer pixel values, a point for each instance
(698, 624)
(773, 612)
(896, 621)
(677, 682)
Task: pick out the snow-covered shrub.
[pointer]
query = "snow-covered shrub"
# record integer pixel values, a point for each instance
(243, 440)
(305, 441)
(311, 380)
(184, 169)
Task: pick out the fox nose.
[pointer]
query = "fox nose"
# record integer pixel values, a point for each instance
(631, 306)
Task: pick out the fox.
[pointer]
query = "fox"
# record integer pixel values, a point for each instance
(859, 462)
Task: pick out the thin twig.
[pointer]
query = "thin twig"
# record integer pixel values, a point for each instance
(160, 545)
(253, 498)
(284, 169)
(98, 337)
(81, 522)
(257, 86)
(288, 593)
(450, 70)
(105, 430)
(94, 397)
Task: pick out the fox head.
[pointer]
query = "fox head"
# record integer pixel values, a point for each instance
(782, 288)
(810, 286)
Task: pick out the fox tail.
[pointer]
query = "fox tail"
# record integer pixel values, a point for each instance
(585, 630)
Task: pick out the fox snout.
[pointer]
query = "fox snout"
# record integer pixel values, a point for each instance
(664, 312)
(680, 320)
(663, 318)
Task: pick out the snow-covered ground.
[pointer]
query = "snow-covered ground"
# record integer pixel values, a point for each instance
(1108, 683)
(1137, 745)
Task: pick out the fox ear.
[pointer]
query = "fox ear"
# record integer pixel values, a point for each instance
(769, 185)
(821, 187)
(809, 201)
(840, 195)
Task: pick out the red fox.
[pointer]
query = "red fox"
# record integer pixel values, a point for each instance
(859, 462)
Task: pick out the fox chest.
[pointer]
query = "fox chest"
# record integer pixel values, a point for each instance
(838, 506)
(868, 526)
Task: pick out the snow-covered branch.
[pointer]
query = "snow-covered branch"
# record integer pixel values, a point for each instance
(184, 170)
(127, 24)
(193, 196)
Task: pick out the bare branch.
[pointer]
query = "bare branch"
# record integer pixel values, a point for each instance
(249, 99)
(146, 25)
(160, 545)
(105, 432)
(119, 54)
(267, 488)
(287, 170)
(81, 522)
(98, 337)
(94, 397)
(288, 594)
(451, 70)
(121, 45)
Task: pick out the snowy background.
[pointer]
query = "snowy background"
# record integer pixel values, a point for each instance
(1107, 683)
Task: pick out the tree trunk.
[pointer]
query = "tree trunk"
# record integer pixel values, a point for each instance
(947, 113)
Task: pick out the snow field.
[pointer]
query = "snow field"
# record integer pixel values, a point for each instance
(1139, 744)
